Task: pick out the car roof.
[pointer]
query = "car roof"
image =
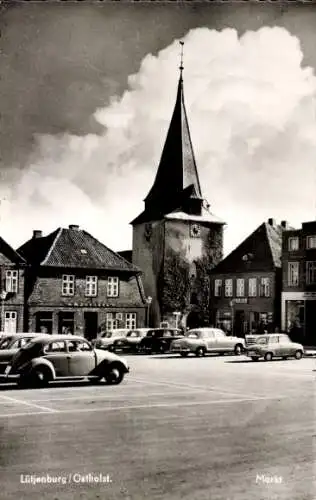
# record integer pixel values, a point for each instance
(56, 337)
(26, 334)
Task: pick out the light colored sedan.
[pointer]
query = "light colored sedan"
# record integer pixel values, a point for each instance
(200, 341)
(274, 346)
(107, 338)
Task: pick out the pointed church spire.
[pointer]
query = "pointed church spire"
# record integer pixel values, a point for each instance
(181, 68)
(177, 182)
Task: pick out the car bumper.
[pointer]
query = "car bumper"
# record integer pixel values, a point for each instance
(251, 353)
(181, 349)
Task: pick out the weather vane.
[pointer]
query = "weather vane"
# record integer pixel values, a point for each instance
(181, 59)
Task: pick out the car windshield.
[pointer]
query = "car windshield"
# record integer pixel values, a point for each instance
(5, 343)
(133, 333)
(107, 335)
(32, 346)
(193, 335)
(262, 340)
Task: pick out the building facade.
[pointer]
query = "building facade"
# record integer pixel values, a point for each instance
(299, 283)
(176, 239)
(246, 285)
(12, 269)
(74, 283)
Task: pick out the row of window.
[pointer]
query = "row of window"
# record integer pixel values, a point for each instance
(91, 287)
(294, 271)
(68, 284)
(262, 288)
(294, 242)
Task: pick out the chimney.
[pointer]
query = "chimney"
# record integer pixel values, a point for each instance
(271, 222)
(37, 233)
(75, 227)
(284, 224)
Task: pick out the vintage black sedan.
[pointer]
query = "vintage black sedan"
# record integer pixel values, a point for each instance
(56, 357)
(159, 340)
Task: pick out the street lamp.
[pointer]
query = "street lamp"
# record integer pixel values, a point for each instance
(177, 315)
(148, 302)
(3, 296)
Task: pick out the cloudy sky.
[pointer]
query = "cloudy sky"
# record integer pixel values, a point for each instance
(87, 92)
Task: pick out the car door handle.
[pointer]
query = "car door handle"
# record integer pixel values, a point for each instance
(68, 357)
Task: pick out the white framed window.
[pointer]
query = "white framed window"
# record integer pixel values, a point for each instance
(113, 286)
(311, 241)
(311, 272)
(265, 287)
(112, 323)
(252, 287)
(68, 284)
(11, 281)
(240, 287)
(293, 273)
(217, 288)
(293, 243)
(228, 288)
(130, 321)
(91, 286)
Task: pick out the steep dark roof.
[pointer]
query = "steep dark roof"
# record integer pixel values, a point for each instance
(126, 254)
(74, 248)
(262, 249)
(10, 253)
(177, 182)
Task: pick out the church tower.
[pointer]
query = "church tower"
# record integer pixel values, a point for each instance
(176, 239)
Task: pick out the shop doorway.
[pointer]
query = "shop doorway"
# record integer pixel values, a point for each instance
(90, 325)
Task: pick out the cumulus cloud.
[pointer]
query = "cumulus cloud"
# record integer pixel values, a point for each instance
(251, 110)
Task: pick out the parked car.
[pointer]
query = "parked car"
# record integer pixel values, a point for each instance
(131, 342)
(10, 344)
(107, 338)
(55, 357)
(158, 340)
(200, 341)
(271, 346)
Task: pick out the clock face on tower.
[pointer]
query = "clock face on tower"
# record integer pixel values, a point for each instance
(195, 231)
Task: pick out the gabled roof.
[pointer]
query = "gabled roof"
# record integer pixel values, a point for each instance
(10, 254)
(261, 250)
(73, 248)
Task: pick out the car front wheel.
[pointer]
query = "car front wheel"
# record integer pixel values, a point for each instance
(40, 376)
(238, 349)
(298, 355)
(268, 356)
(200, 352)
(114, 376)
